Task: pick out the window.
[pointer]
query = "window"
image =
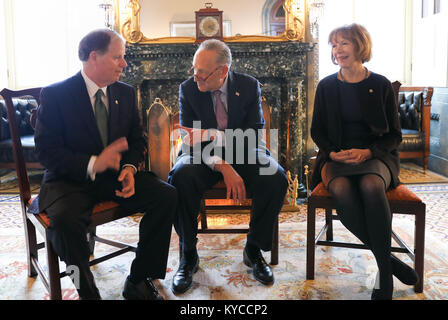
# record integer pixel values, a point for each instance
(41, 39)
(436, 6)
(388, 37)
(280, 12)
(425, 8)
(277, 18)
(430, 6)
(430, 46)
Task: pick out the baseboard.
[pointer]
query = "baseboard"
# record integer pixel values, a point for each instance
(438, 165)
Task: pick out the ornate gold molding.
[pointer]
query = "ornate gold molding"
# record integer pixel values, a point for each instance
(130, 27)
(294, 20)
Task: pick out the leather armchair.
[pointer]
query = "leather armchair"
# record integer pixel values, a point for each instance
(414, 109)
(24, 108)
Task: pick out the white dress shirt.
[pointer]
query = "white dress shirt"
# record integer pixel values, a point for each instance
(92, 89)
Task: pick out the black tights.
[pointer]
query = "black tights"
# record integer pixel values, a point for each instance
(363, 209)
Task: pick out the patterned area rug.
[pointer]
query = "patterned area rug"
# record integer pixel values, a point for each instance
(341, 274)
(412, 173)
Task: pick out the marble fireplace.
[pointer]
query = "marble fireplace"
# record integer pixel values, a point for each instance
(287, 71)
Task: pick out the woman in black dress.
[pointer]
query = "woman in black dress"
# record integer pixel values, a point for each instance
(356, 128)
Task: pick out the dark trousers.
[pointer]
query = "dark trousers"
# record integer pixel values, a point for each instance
(70, 216)
(266, 190)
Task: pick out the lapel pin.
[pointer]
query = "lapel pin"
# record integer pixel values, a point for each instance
(371, 90)
(116, 101)
(237, 93)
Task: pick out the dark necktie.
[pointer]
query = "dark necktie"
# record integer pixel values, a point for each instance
(101, 116)
(221, 113)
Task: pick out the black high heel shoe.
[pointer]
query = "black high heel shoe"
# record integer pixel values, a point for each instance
(403, 272)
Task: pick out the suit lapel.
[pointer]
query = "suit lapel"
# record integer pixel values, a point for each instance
(232, 100)
(205, 108)
(114, 114)
(83, 103)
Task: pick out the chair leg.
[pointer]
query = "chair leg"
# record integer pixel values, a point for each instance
(203, 216)
(53, 272)
(419, 247)
(274, 251)
(31, 246)
(329, 222)
(310, 241)
(91, 240)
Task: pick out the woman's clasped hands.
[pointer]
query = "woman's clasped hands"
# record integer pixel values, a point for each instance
(351, 156)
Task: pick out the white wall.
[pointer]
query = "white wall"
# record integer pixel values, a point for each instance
(386, 22)
(430, 47)
(155, 16)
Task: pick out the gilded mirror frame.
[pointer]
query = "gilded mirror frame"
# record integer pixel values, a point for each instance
(295, 26)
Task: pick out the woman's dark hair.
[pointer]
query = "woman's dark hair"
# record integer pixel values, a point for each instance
(96, 40)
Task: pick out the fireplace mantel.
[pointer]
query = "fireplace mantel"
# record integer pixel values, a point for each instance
(286, 71)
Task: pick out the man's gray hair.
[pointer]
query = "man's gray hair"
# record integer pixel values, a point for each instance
(223, 54)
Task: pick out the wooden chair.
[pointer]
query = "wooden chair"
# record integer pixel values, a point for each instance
(401, 200)
(102, 213)
(163, 145)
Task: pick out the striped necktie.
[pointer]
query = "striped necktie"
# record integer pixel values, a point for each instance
(221, 113)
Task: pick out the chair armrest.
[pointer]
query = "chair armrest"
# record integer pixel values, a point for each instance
(425, 113)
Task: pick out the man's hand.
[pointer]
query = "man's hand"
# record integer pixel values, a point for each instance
(126, 178)
(234, 183)
(111, 156)
(196, 135)
(352, 156)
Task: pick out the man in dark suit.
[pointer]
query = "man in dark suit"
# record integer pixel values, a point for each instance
(216, 100)
(89, 139)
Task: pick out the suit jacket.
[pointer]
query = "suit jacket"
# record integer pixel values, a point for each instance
(379, 110)
(243, 101)
(67, 135)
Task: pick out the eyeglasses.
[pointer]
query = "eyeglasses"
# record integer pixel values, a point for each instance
(193, 73)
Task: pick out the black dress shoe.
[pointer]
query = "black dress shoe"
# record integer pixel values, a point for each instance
(403, 272)
(262, 271)
(144, 290)
(87, 288)
(183, 279)
(93, 296)
(380, 294)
